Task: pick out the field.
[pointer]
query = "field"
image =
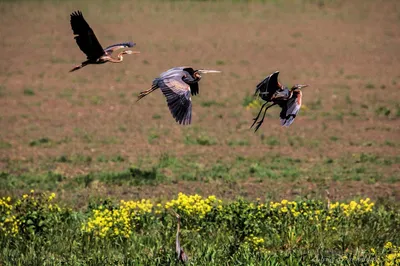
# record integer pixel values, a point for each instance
(84, 137)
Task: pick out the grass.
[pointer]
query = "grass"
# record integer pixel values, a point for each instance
(40, 142)
(169, 169)
(29, 92)
(213, 232)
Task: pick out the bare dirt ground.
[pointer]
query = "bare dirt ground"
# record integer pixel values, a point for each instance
(348, 51)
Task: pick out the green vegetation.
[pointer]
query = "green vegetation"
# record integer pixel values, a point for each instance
(35, 230)
(29, 91)
(83, 136)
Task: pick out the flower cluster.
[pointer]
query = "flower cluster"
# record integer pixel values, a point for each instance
(8, 221)
(194, 205)
(30, 214)
(353, 208)
(116, 222)
(392, 254)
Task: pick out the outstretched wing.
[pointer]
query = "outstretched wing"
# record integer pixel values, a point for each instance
(86, 39)
(117, 46)
(291, 109)
(267, 88)
(177, 93)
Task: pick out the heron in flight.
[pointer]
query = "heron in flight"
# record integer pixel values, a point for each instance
(178, 84)
(88, 43)
(270, 90)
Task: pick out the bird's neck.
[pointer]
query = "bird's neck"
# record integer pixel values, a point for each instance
(119, 59)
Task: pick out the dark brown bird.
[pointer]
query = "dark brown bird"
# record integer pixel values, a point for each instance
(88, 43)
(178, 84)
(270, 90)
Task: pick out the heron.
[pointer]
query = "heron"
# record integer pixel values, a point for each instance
(88, 43)
(181, 255)
(270, 90)
(178, 84)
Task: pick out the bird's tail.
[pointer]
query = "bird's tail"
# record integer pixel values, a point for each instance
(79, 66)
(146, 92)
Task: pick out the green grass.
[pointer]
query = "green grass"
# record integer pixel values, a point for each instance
(168, 169)
(40, 142)
(29, 92)
(239, 232)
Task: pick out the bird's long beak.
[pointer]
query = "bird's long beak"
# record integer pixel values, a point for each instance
(132, 52)
(303, 86)
(205, 71)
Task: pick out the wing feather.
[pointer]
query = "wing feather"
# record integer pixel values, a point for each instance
(290, 110)
(179, 102)
(86, 39)
(267, 88)
(117, 46)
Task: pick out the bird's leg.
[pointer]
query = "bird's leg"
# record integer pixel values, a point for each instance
(255, 119)
(262, 120)
(80, 66)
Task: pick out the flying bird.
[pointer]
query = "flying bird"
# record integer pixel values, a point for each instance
(178, 84)
(271, 91)
(88, 43)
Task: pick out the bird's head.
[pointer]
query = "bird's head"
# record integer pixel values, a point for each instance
(197, 73)
(298, 87)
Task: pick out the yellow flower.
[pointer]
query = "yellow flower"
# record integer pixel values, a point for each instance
(373, 250)
(388, 245)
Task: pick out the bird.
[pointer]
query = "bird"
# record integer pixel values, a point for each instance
(270, 90)
(181, 255)
(178, 84)
(88, 43)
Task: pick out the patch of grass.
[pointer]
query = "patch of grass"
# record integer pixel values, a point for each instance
(29, 91)
(352, 76)
(2, 90)
(152, 136)
(133, 176)
(116, 158)
(202, 140)
(40, 142)
(369, 86)
(96, 99)
(156, 116)
(83, 134)
(272, 141)
(211, 103)
(334, 138)
(382, 110)
(240, 142)
(111, 140)
(67, 93)
(234, 75)
(58, 60)
(348, 99)
(297, 35)
(315, 105)
(5, 144)
(214, 232)
(219, 62)
(44, 181)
